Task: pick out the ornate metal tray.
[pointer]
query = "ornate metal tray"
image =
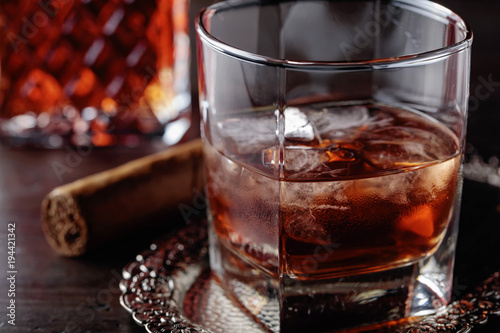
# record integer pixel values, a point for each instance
(169, 288)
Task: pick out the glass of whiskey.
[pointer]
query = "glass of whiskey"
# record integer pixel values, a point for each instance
(334, 135)
(93, 72)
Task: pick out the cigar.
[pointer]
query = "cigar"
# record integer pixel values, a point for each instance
(96, 209)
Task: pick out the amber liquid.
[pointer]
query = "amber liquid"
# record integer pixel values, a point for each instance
(90, 71)
(372, 192)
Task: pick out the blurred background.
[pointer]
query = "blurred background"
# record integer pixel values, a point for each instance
(484, 118)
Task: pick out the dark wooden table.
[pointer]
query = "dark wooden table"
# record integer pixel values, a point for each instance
(56, 294)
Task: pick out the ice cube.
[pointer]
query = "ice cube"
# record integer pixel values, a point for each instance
(310, 162)
(245, 135)
(296, 158)
(328, 120)
(301, 224)
(397, 146)
(302, 159)
(297, 126)
(317, 219)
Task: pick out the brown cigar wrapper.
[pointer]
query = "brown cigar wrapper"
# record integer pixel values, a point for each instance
(96, 209)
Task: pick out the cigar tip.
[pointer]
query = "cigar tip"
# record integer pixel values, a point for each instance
(63, 225)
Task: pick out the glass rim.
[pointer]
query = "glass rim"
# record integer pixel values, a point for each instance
(393, 62)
